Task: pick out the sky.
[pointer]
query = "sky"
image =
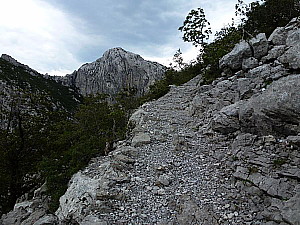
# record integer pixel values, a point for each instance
(58, 36)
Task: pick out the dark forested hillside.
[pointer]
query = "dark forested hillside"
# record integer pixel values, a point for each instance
(49, 131)
(30, 105)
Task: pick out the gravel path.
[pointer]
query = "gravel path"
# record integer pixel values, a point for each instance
(178, 178)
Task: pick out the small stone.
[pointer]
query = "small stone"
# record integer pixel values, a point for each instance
(230, 215)
(161, 192)
(164, 180)
(144, 216)
(148, 188)
(155, 190)
(269, 139)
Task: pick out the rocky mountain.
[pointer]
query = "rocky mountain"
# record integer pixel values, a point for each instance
(223, 153)
(25, 90)
(115, 71)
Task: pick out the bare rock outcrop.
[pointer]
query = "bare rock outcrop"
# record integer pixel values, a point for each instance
(265, 121)
(115, 71)
(274, 111)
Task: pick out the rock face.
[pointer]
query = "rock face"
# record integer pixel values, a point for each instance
(234, 60)
(115, 71)
(22, 88)
(224, 153)
(275, 111)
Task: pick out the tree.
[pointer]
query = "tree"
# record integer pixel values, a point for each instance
(196, 28)
(22, 144)
(91, 132)
(267, 15)
(178, 60)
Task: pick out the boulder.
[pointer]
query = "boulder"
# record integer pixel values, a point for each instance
(274, 53)
(278, 37)
(293, 37)
(92, 220)
(47, 220)
(234, 59)
(28, 211)
(243, 143)
(226, 121)
(88, 190)
(140, 139)
(259, 45)
(266, 72)
(249, 63)
(295, 140)
(245, 87)
(137, 117)
(275, 111)
(291, 210)
(291, 58)
(260, 72)
(79, 197)
(191, 213)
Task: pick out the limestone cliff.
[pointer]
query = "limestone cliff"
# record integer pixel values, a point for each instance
(115, 71)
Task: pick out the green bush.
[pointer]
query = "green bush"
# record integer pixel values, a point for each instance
(96, 126)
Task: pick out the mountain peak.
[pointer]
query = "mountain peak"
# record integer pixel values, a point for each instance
(119, 52)
(115, 71)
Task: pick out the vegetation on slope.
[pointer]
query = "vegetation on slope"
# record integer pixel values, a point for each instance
(35, 82)
(257, 17)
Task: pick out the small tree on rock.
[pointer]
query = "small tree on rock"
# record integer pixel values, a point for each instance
(196, 28)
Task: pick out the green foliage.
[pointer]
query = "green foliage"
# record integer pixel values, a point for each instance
(253, 169)
(159, 89)
(42, 143)
(270, 14)
(268, 82)
(21, 145)
(57, 93)
(51, 145)
(128, 100)
(213, 52)
(178, 61)
(256, 17)
(196, 28)
(95, 127)
(172, 77)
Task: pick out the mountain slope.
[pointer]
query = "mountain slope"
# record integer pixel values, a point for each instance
(223, 153)
(19, 81)
(115, 71)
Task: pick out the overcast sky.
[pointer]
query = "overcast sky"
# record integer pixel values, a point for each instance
(58, 36)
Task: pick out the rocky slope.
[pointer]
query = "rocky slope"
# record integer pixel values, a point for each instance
(115, 71)
(24, 89)
(224, 153)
